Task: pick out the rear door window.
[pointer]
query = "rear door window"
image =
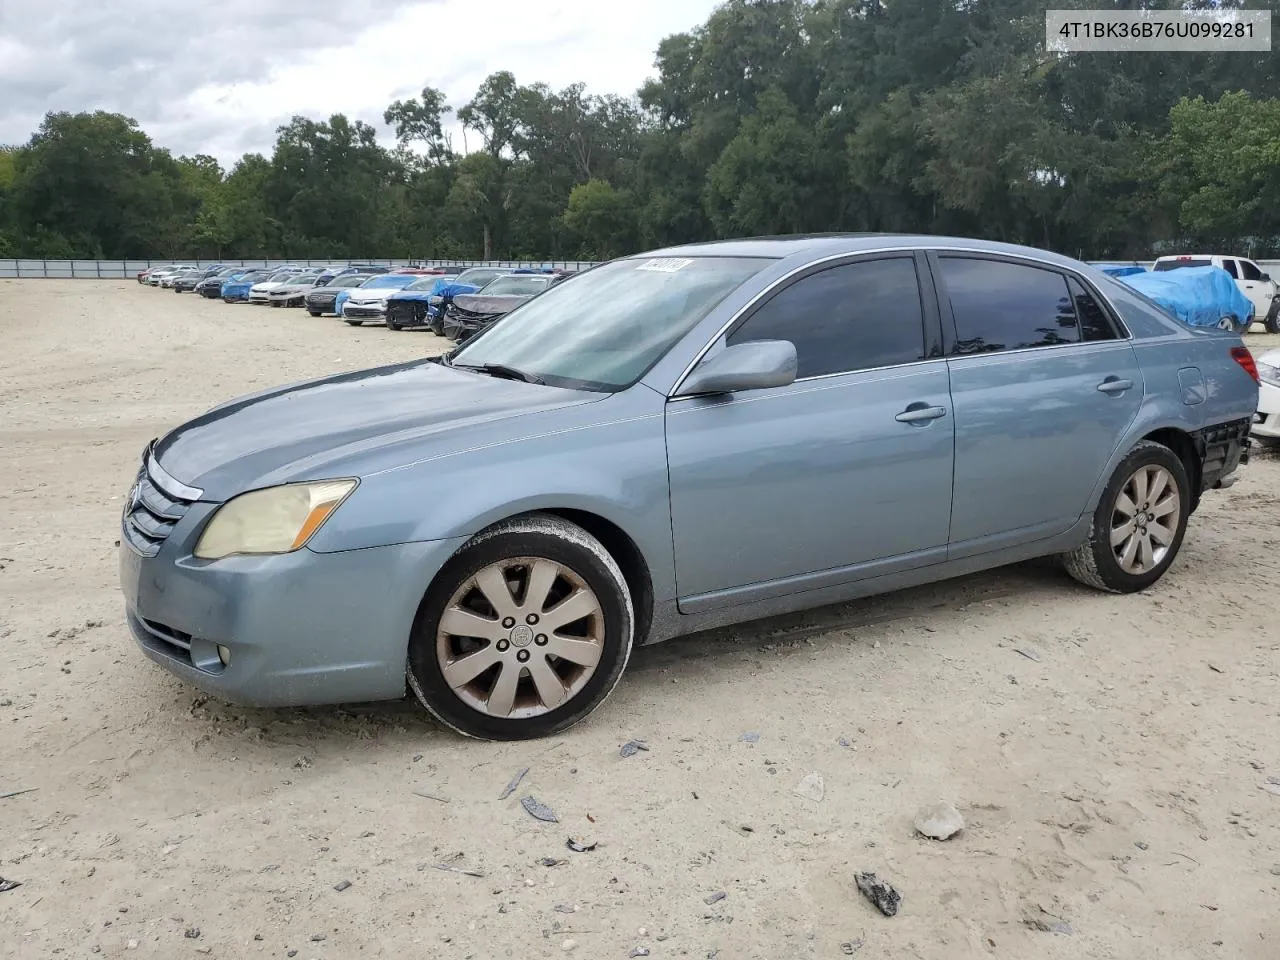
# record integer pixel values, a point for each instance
(1095, 324)
(1229, 265)
(1007, 306)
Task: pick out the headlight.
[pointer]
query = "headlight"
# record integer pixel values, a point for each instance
(275, 520)
(1269, 374)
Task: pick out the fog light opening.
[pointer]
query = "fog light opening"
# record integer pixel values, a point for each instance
(224, 655)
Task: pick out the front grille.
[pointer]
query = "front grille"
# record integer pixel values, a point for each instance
(151, 513)
(467, 316)
(409, 313)
(361, 311)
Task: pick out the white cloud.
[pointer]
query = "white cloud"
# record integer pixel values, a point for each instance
(260, 74)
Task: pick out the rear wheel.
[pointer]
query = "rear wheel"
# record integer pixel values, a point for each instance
(524, 632)
(1272, 322)
(1139, 523)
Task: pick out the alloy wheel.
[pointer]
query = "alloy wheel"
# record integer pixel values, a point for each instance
(1145, 519)
(520, 638)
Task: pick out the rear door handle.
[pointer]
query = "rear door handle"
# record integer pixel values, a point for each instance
(919, 413)
(1115, 385)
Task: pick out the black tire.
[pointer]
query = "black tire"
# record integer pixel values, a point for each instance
(354, 323)
(392, 324)
(1272, 322)
(314, 313)
(534, 535)
(1095, 563)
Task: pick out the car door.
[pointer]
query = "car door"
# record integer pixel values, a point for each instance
(1255, 285)
(1044, 384)
(840, 475)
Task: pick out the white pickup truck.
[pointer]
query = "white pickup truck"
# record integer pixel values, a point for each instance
(1253, 281)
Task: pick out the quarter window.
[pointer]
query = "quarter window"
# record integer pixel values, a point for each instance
(1094, 322)
(1007, 306)
(851, 317)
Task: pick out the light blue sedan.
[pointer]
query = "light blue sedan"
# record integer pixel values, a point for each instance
(669, 442)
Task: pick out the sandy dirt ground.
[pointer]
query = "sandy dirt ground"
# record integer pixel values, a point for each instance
(1111, 755)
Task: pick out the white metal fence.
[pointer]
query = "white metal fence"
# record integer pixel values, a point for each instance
(129, 269)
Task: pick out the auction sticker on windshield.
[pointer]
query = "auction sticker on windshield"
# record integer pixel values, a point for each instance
(664, 264)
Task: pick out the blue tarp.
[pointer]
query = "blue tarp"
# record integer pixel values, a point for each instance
(1120, 269)
(1198, 296)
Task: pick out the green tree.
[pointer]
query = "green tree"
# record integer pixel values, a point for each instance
(603, 218)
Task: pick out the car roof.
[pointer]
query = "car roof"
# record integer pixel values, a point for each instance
(817, 245)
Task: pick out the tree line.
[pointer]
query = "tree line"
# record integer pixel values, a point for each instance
(774, 116)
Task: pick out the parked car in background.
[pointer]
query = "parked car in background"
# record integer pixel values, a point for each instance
(663, 445)
(157, 278)
(323, 297)
(468, 281)
(1256, 284)
(294, 291)
(407, 308)
(237, 290)
(1119, 269)
(1198, 296)
(261, 290)
(143, 274)
(186, 281)
(1266, 422)
(367, 303)
(469, 313)
(211, 286)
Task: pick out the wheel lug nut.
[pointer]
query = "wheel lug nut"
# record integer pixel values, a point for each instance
(502, 646)
(540, 639)
(523, 656)
(531, 619)
(508, 622)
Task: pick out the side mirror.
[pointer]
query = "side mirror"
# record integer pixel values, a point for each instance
(744, 366)
(1266, 278)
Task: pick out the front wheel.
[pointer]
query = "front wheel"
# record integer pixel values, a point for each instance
(523, 633)
(1139, 523)
(354, 323)
(314, 313)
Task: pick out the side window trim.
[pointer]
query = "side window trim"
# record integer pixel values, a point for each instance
(870, 257)
(943, 301)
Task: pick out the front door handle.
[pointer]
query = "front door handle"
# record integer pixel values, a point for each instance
(1115, 385)
(920, 413)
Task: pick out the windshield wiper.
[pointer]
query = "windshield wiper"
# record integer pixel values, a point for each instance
(501, 370)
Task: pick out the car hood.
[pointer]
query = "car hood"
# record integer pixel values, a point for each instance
(292, 288)
(328, 291)
(373, 295)
(350, 424)
(479, 303)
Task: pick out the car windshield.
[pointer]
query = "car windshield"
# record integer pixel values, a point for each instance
(515, 286)
(282, 275)
(390, 280)
(348, 280)
(423, 283)
(606, 329)
(479, 277)
(1163, 265)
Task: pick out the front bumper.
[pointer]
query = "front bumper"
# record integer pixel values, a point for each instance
(1266, 422)
(368, 312)
(303, 628)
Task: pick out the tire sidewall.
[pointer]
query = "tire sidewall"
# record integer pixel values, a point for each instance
(1108, 566)
(423, 668)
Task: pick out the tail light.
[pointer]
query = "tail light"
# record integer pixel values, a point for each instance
(1242, 356)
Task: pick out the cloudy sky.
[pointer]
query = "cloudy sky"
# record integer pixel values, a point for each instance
(219, 77)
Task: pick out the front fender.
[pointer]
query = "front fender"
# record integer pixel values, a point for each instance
(615, 469)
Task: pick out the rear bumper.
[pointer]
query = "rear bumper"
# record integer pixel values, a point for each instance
(1223, 449)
